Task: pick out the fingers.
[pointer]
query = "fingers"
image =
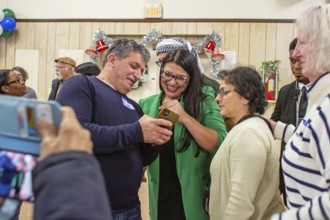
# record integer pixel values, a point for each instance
(163, 124)
(69, 117)
(46, 130)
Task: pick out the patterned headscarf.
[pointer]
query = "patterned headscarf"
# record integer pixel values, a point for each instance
(172, 44)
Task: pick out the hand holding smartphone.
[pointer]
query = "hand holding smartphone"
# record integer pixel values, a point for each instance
(169, 115)
(20, 142)
(19, 117)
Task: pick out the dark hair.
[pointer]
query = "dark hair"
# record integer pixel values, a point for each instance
(4, 73)
(248, 83)
(123, 47)
(24, 73)
(293, 44)
(193, 95)
(87, 69)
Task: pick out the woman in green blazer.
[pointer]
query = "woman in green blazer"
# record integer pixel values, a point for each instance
(176, 179)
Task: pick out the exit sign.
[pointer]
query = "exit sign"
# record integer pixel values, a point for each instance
(153, 11)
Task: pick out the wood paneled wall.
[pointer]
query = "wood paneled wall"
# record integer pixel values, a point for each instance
(254, 42)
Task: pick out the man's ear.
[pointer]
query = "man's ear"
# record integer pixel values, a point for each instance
(5, 89)
(111, 59)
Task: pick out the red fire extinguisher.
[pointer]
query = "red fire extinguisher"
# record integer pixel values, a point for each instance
(270, 87)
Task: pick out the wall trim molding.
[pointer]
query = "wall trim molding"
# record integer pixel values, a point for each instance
(162, 20)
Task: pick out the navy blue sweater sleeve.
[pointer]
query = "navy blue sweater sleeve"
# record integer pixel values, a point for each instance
(69, 185)
(78, 93)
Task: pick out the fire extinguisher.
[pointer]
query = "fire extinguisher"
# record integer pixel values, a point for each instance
(270, 87)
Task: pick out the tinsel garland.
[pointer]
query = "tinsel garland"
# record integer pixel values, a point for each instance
(215, 59)
(154, 36)
(214, 68)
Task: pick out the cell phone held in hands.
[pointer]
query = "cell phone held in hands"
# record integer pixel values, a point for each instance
(20, 143)
(18, 122)
(169, 115)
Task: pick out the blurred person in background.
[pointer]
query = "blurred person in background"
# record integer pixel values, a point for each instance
(64, 67)
(87, 69)
(12, 83)
(30, 93)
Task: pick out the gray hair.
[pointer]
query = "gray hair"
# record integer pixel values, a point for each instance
(123, 47)
(315, 24)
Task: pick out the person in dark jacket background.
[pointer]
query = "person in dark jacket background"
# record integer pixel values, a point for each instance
(290, 105)
(64, 67)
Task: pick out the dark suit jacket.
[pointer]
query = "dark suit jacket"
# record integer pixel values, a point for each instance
(285, 111)
(285, 108)
(55, 85)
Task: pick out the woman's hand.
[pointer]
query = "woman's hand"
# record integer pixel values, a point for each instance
(175, 106)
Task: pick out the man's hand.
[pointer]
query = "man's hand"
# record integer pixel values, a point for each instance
(71, 136)
(154, 130)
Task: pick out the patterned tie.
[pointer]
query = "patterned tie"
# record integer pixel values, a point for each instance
(302, 103)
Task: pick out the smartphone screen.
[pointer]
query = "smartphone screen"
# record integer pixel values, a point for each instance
(19, 119)
(16, 175)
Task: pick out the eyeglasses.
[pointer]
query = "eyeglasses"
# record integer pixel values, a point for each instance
(159, 63)
(19, 81)
(167, 76)
(222, 92)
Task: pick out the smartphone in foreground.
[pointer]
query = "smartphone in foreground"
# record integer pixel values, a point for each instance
(19, 117)
(20, 144)
(169, 115)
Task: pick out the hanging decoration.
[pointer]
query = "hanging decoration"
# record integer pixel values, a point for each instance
(155, 36)
(100, 43)
(7, 22)
(211, 46)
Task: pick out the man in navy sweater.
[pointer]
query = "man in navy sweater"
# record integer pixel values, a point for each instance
(124, 139)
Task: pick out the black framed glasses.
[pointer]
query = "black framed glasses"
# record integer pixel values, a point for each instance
(167, 76)
(20, 80)
(222, 92)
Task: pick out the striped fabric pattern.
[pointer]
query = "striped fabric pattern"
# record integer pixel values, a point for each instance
(306, 160)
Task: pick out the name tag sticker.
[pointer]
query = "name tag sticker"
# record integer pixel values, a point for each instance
(127, 103)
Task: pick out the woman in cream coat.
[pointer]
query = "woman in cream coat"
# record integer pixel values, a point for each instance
(244, 171)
